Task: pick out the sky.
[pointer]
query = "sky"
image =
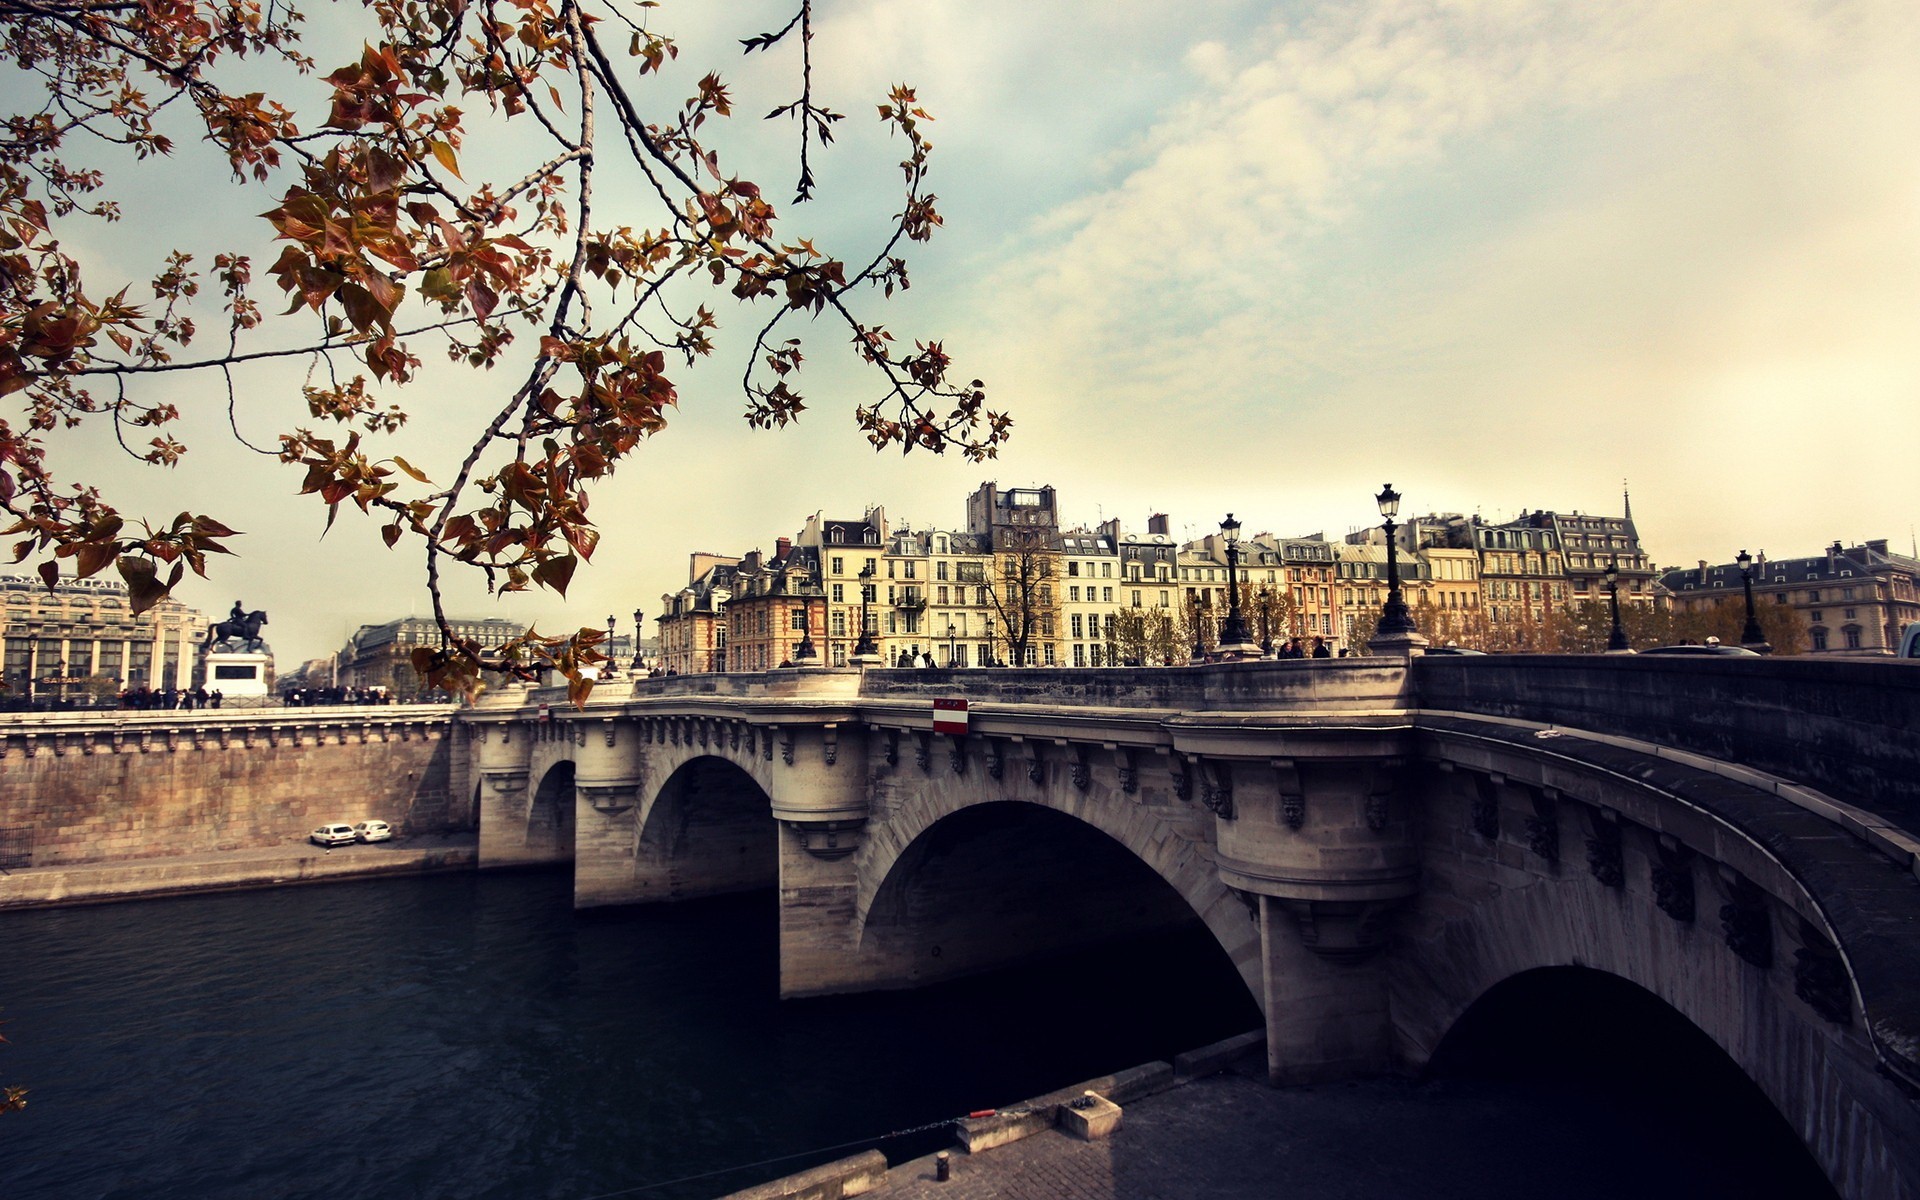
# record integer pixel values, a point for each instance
(1252, 258)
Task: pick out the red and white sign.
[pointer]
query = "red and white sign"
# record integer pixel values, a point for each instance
(950, 716)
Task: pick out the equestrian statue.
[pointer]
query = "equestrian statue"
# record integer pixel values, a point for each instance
(240, 626)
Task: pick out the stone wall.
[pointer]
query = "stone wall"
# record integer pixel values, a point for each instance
(133, 785)
(1845, 727)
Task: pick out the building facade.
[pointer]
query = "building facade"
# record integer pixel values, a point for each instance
(1855, 599)
(381, 656)
(83, 637)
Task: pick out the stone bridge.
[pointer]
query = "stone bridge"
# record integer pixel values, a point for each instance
(1375, 844)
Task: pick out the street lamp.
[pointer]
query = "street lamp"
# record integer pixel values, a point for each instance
(1616, 640)
(637, 627)
(1234, 632)
(1750, 636)
(950, 644)
(1394, 617)
(805, 653)
(864, 648)
(613, 667)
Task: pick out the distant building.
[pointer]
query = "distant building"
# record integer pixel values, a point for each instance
(693, 628)
(381, 656)
(1855, 599)
(85, 629)
(1018, 516)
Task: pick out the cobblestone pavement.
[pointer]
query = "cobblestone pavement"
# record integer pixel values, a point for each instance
(1231, 1137)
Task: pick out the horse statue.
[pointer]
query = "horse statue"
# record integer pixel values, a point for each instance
(246, 630)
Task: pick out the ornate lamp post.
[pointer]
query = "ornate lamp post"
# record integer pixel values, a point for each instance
(638, 665)
(1394, 617)
(1233, 633)
(864, 648)
(613, 664)
(950, 645)
(1750, 635)
(1617, 639)
(804, 654)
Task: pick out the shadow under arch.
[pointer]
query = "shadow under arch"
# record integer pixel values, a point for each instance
(708, 831)
(1008, 883)
(550, 823)
(1596, 1039)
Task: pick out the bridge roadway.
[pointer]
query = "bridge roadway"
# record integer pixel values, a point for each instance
(1375, 844)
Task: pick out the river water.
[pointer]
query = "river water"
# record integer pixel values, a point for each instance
(473, 1036)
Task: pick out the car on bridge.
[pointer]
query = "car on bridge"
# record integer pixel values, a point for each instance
(1713, 648)
(373, 831)
(1910, 642)
(338, 833)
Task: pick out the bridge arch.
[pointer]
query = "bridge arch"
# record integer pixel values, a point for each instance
(550, 816)
(959, 883)
(1664, 878)
(1624, 1048)
(707, 830)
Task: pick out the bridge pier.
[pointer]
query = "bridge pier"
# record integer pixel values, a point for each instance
(1327, 845)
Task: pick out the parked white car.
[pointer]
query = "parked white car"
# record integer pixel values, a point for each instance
(373, 831)
(337, 834)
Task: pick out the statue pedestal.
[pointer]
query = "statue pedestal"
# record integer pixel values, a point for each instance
(239, 673)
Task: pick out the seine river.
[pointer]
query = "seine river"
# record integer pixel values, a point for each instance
(472, 1036)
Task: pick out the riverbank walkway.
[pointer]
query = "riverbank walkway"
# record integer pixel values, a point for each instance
(1229, 1136)
(268, 866)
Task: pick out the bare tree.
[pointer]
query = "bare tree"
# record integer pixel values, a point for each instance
(1023, 590)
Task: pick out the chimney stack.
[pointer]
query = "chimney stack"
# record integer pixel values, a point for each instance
(782, 547)
(1703, 572)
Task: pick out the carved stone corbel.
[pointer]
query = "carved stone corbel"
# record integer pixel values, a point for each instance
(1606, 850)
(607, 729)
(1216, 790)
(830, 744)
(957, 754)
(827, 840)
(786, 747)
(766, 744)
(923, 752)
(1342, 931)
(608, 799)
(1293, 792)
(996, 759)
(733, 736)
(1129, 772)
(893, 747)
(1181, 770)
(1543, 827)
(1745, 922)
(1036, 766)
(1486, 806)
(1672, 880)
(1820, 977)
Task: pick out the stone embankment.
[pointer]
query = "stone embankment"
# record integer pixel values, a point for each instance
(274, 866)
(102, 805)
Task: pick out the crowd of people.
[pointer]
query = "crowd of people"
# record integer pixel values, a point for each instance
(144, 697)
